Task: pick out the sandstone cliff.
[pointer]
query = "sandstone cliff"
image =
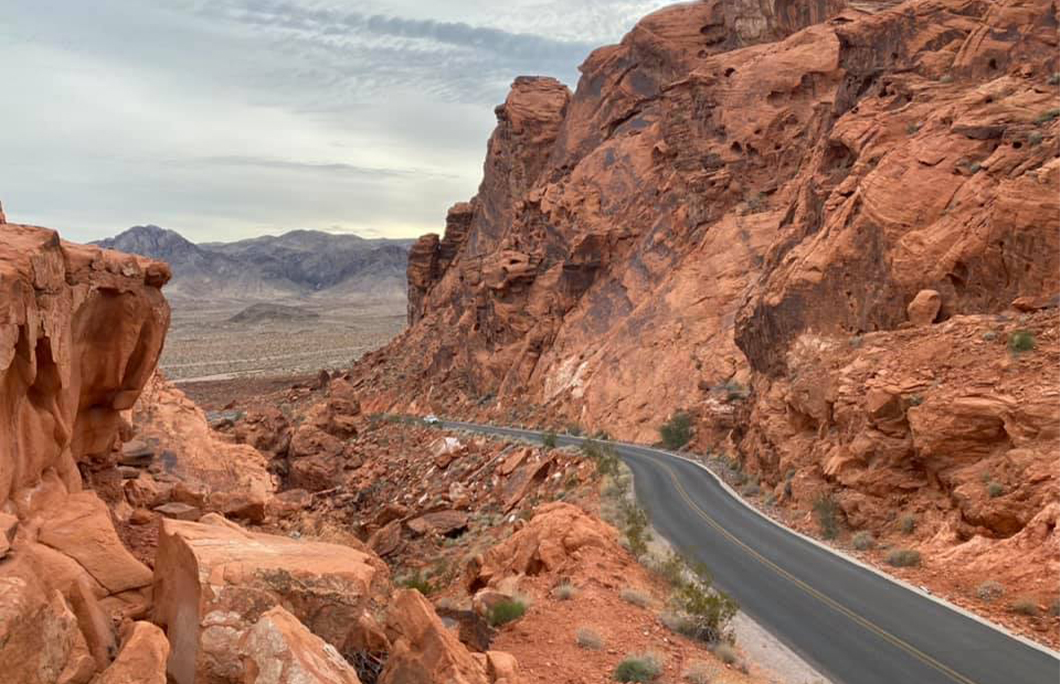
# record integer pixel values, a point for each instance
(736, 198)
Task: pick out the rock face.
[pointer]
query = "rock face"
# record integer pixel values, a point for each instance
(733, 200)
(424, 650)
(80, 333)
(142, 659)
(214, 581)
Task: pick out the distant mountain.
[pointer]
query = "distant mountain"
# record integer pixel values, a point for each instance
(297, 264)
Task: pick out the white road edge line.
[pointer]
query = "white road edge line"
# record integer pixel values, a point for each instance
(835, 552)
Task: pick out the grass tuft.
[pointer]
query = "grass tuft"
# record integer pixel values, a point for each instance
(904, 558)
(506, 611)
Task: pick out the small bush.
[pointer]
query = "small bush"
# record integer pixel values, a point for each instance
(1021, 341)
(1054, 79)
(989, 591)
(549, 440)
(565, 591)
(418, 582)
(1035, 138)
(751, 489)
(589, 639)
(1047, 116)
(994, 489)
(506, 611)
(707, 612)
(1025, 606)
(726, 653)
(635, 597)
(907, 523)
(904, 558)
(672, 569)
(636, 529)
(825, 509)
(912, 128)
(638, 668)
(677, 431)
(574, 429)
(699, 673)
(863, 541)
(946, 79)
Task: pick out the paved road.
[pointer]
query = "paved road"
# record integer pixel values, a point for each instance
(853, 625)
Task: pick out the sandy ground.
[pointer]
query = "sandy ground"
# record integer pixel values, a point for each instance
(203, 344)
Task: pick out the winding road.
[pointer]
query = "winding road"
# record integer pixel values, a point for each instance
(853, 624)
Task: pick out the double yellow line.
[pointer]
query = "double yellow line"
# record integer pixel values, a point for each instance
(864, 622)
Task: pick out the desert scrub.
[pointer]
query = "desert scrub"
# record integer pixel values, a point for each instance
(699, 673)
(726, 653)
(635, 528)
(989, 591)
(1035, 138)
(565, 591)
(676, 432)
(1025, 606)
(904, 558)
(751, 489)
(506, 611)
(907, 523)
(1021, 341)
(994, 489)
(587, 638)
(698, 610)
(912, 128)
(825, 509)
(672, 569)
(863, 541)
(549, 440)
(418, 582)
(644, 667)
(1047, 116)
(635, 597)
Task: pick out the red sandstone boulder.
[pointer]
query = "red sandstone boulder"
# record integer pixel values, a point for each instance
(214, 581)
(423, 649)
(278, 649)
(142, 659)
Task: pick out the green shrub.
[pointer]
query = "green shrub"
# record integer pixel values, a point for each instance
(726, 653)
(589, 639)
(672, 569)
(603, 456)
(1047, 116)
(913, 128)
(418, 582)
(638, 668)
(707, 612)
(825, 509)
(907, 523)
(635, 597)
(989, 591)
(506, 611)
(574, 429)
(904, 558)
(1054, 79)
(549, 440)
(1021, 341)
(994, 489)
(1035, 138)
(1025, 606)
(636, 529)
(677, 431)
(565, 591)
(863, 541)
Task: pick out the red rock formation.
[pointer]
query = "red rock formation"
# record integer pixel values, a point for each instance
(735, 197)
(80, 333)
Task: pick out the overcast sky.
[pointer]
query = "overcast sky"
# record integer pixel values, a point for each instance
(224, 119)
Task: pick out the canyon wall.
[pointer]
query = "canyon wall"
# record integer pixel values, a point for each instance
(815, 227)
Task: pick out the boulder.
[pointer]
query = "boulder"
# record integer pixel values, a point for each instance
(80, 527)
(179, 511)
(548, 543)
(278, 649)
(8, 527)
(502, 666)
(439, 522)
(142, 659)
(423, 650)
(214, 581)
(924, 308)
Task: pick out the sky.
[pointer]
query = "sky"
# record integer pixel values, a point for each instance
(225, 119)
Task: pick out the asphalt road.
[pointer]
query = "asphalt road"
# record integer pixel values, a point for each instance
(853, 625)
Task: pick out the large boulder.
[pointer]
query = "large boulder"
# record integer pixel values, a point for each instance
(424, 651)
(142, 659)
(214, 581)
(279, 649)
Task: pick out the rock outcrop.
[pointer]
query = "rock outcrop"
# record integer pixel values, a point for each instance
(735, 198)
(213, 582)
(424, 650)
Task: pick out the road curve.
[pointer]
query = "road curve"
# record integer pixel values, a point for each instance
(852, 624)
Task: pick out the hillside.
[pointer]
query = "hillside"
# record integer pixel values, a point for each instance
(297, 264)
(828, 234)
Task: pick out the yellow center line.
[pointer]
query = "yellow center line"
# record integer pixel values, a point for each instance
(864, 622)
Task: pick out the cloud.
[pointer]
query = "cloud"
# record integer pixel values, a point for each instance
(362, 172)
